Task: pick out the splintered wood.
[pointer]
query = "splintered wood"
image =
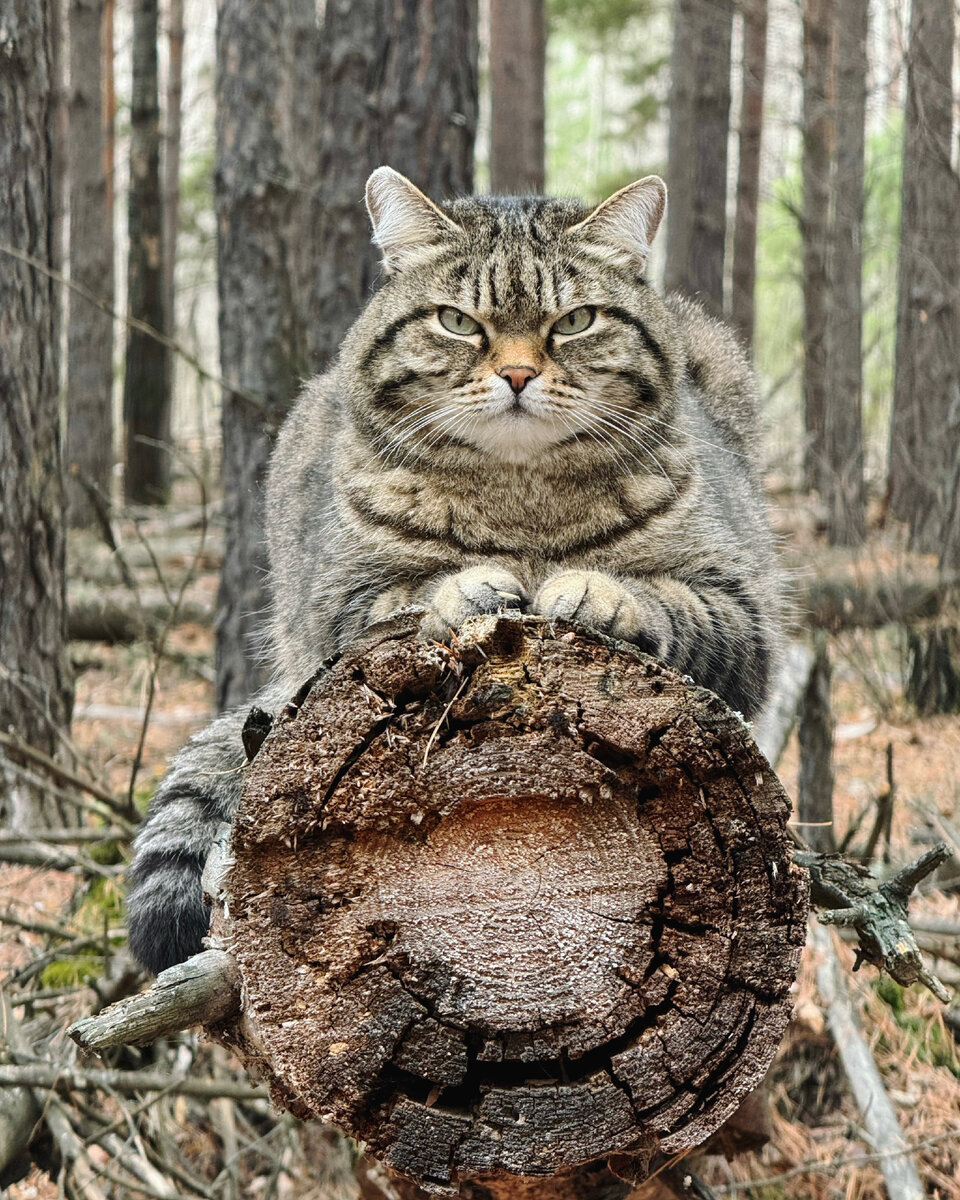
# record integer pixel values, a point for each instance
(511, 906)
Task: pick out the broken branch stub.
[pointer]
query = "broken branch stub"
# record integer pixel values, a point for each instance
(512, 906)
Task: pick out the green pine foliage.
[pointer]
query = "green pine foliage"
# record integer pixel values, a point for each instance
(606, 90)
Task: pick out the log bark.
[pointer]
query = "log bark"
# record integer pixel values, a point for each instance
(510, 908)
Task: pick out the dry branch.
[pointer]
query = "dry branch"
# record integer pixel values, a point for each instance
(849, 897)
(842, 603)
(879, 1117)
(64, 1078)
(202, 991)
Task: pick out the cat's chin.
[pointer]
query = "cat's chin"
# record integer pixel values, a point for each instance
(518, 441)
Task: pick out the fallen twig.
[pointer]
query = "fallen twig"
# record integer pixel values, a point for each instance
(70, 1079)
(830, 1166)
(11, 741)
(879, 1117)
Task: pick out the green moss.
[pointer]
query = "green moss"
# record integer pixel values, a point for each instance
(929, 1041)
(69, 972)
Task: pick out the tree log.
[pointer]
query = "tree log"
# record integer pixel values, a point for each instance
(510, 907)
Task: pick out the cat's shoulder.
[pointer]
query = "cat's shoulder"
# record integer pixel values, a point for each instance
(301, 456)
(718, 367)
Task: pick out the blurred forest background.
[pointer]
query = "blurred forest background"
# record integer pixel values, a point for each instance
(183, 239)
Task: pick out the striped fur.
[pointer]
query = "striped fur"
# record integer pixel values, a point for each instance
(618, 489)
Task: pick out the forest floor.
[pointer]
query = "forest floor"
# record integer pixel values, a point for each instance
(816, 1123)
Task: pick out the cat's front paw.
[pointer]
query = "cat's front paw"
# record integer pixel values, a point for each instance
(487, 588)
(598, 601)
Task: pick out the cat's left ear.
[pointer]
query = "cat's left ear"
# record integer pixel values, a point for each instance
(628, 222)
(404, 220)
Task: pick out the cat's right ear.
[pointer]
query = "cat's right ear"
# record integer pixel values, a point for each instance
(404, 220)
(627, 223)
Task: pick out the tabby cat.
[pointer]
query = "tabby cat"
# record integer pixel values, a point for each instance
(516, 420)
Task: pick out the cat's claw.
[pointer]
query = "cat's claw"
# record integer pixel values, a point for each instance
(470, 593)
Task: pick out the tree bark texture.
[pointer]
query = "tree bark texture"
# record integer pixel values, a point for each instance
(398, 86)
(818, 138)
(925, 425)
(512, 907)
(35, 683)
(842, 486)
(748, 167)
(89, 449)
(146, 394)
(265, 63)
(518, 46)
(173, 103)
(699, 129)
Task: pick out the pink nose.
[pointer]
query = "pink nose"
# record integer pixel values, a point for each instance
(518, 377)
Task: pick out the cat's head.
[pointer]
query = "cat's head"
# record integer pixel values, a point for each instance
(515, 327)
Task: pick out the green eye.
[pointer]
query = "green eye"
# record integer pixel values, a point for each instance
(576, 321)
(458, 322)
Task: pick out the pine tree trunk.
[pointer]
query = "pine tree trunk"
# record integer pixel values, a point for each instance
(171, 167)
(748, 167)
(816, 730)
(699, 130)
(518, 44)
(818, 137)
(265, 61)
(927, 375)
(35, 684)
(400, 91)
(842, 469)
(89, 451)
(146, 397)
(109, 110)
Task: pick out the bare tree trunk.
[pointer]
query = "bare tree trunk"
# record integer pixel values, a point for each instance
(89, 452)
(815, 791)
(171, 166)
(265, 62)
(748, 167)
(518, 44)
(842, 466)
(146, 397)
(817, 158)
(403, 92)
(699, 129)
(35, 683)
(927, 376)
(109, 109)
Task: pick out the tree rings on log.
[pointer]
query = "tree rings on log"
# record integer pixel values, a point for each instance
(512, 905)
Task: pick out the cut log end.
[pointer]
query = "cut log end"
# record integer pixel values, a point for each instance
(511, 906)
